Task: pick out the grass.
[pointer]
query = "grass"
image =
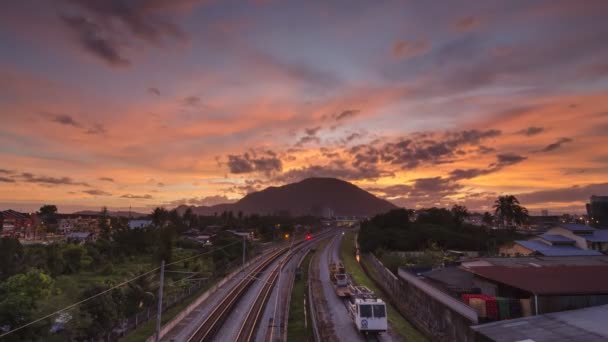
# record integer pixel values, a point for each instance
(299, 327)
(397, 322)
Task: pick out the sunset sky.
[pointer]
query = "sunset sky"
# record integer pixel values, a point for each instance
(162, 102)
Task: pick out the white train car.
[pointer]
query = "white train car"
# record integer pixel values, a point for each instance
(367, 311)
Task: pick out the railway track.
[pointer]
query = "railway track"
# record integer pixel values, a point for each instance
(247, 331)
(214, 320)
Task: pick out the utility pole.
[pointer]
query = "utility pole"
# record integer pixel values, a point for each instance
(244, 250)
(160, 299)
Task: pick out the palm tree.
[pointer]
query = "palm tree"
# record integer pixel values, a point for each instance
(508, 209)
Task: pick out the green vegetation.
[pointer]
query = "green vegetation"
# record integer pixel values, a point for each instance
(508, 210)
(399, 324)
(434, 227)
(299, 325)
(67, 272)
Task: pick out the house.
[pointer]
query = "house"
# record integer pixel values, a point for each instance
(587, 324)
(585, 237)
(547, 245)
(68, 223)
(139, 224)
(549, 288)
(80, 237)
(14, 223)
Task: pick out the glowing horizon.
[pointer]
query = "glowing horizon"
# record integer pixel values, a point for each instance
(200, 102)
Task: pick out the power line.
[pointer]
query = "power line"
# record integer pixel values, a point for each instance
(110, 289)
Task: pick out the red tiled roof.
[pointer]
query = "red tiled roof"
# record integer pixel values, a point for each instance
(550, 280)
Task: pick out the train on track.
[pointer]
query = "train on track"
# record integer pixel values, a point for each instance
(367, 311)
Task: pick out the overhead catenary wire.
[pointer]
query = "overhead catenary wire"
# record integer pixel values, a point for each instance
(111, 288)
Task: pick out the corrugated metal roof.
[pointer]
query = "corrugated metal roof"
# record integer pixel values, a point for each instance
(576, 227)
(599, 235)
(555, 238)
(550, 250)
(553, 280)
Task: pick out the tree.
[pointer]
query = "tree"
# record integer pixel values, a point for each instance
(159, 217)
(437, 216)
(48, 214)
(100, 313)
(460, 213)
(487, 219)
(510, 212)
(104, 226)
(18, 297)
(11, 256)
(140, 293)
(73, 255)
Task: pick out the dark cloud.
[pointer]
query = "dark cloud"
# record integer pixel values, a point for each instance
(421, 148)
(485, 149)
(556, 145)
(307, 139)
(160, 184)
(354, 136)
(467, 23)
(154, 91)
(146, 20)
(100, 24)
(96, 129)
(201, 201)
(92, 38)
(508, 159)
(335, 170)
(192, 100)
(349, 113)
(106, 179)
(564, 195)
(131, 196)
(96, 192)
(8, 172)
(6, 180)
(249, 162)
(422, 192)
(502, 161)
(65, 120)
(46, 180)
(312, 130)
(530, 131)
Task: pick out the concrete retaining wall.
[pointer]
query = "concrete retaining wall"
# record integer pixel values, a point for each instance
(434, 313)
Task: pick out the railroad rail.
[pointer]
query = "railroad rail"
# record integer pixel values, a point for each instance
(247, 331)
(213, 322)
(215, 319)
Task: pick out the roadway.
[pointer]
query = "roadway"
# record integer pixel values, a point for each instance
(334, 307)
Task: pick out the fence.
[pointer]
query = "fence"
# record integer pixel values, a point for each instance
(437, 315)
(131, 323)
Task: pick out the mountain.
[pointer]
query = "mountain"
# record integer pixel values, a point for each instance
(312, 196)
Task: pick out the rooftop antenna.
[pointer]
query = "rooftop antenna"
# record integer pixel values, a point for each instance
(129, 211)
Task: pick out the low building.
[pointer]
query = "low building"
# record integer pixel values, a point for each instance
(15, 223)
(68, 223)
(139, 224)
(585, 237)
(587, 324)
(549, 289)
(80, 237)
(546, 245)
(525, 286)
